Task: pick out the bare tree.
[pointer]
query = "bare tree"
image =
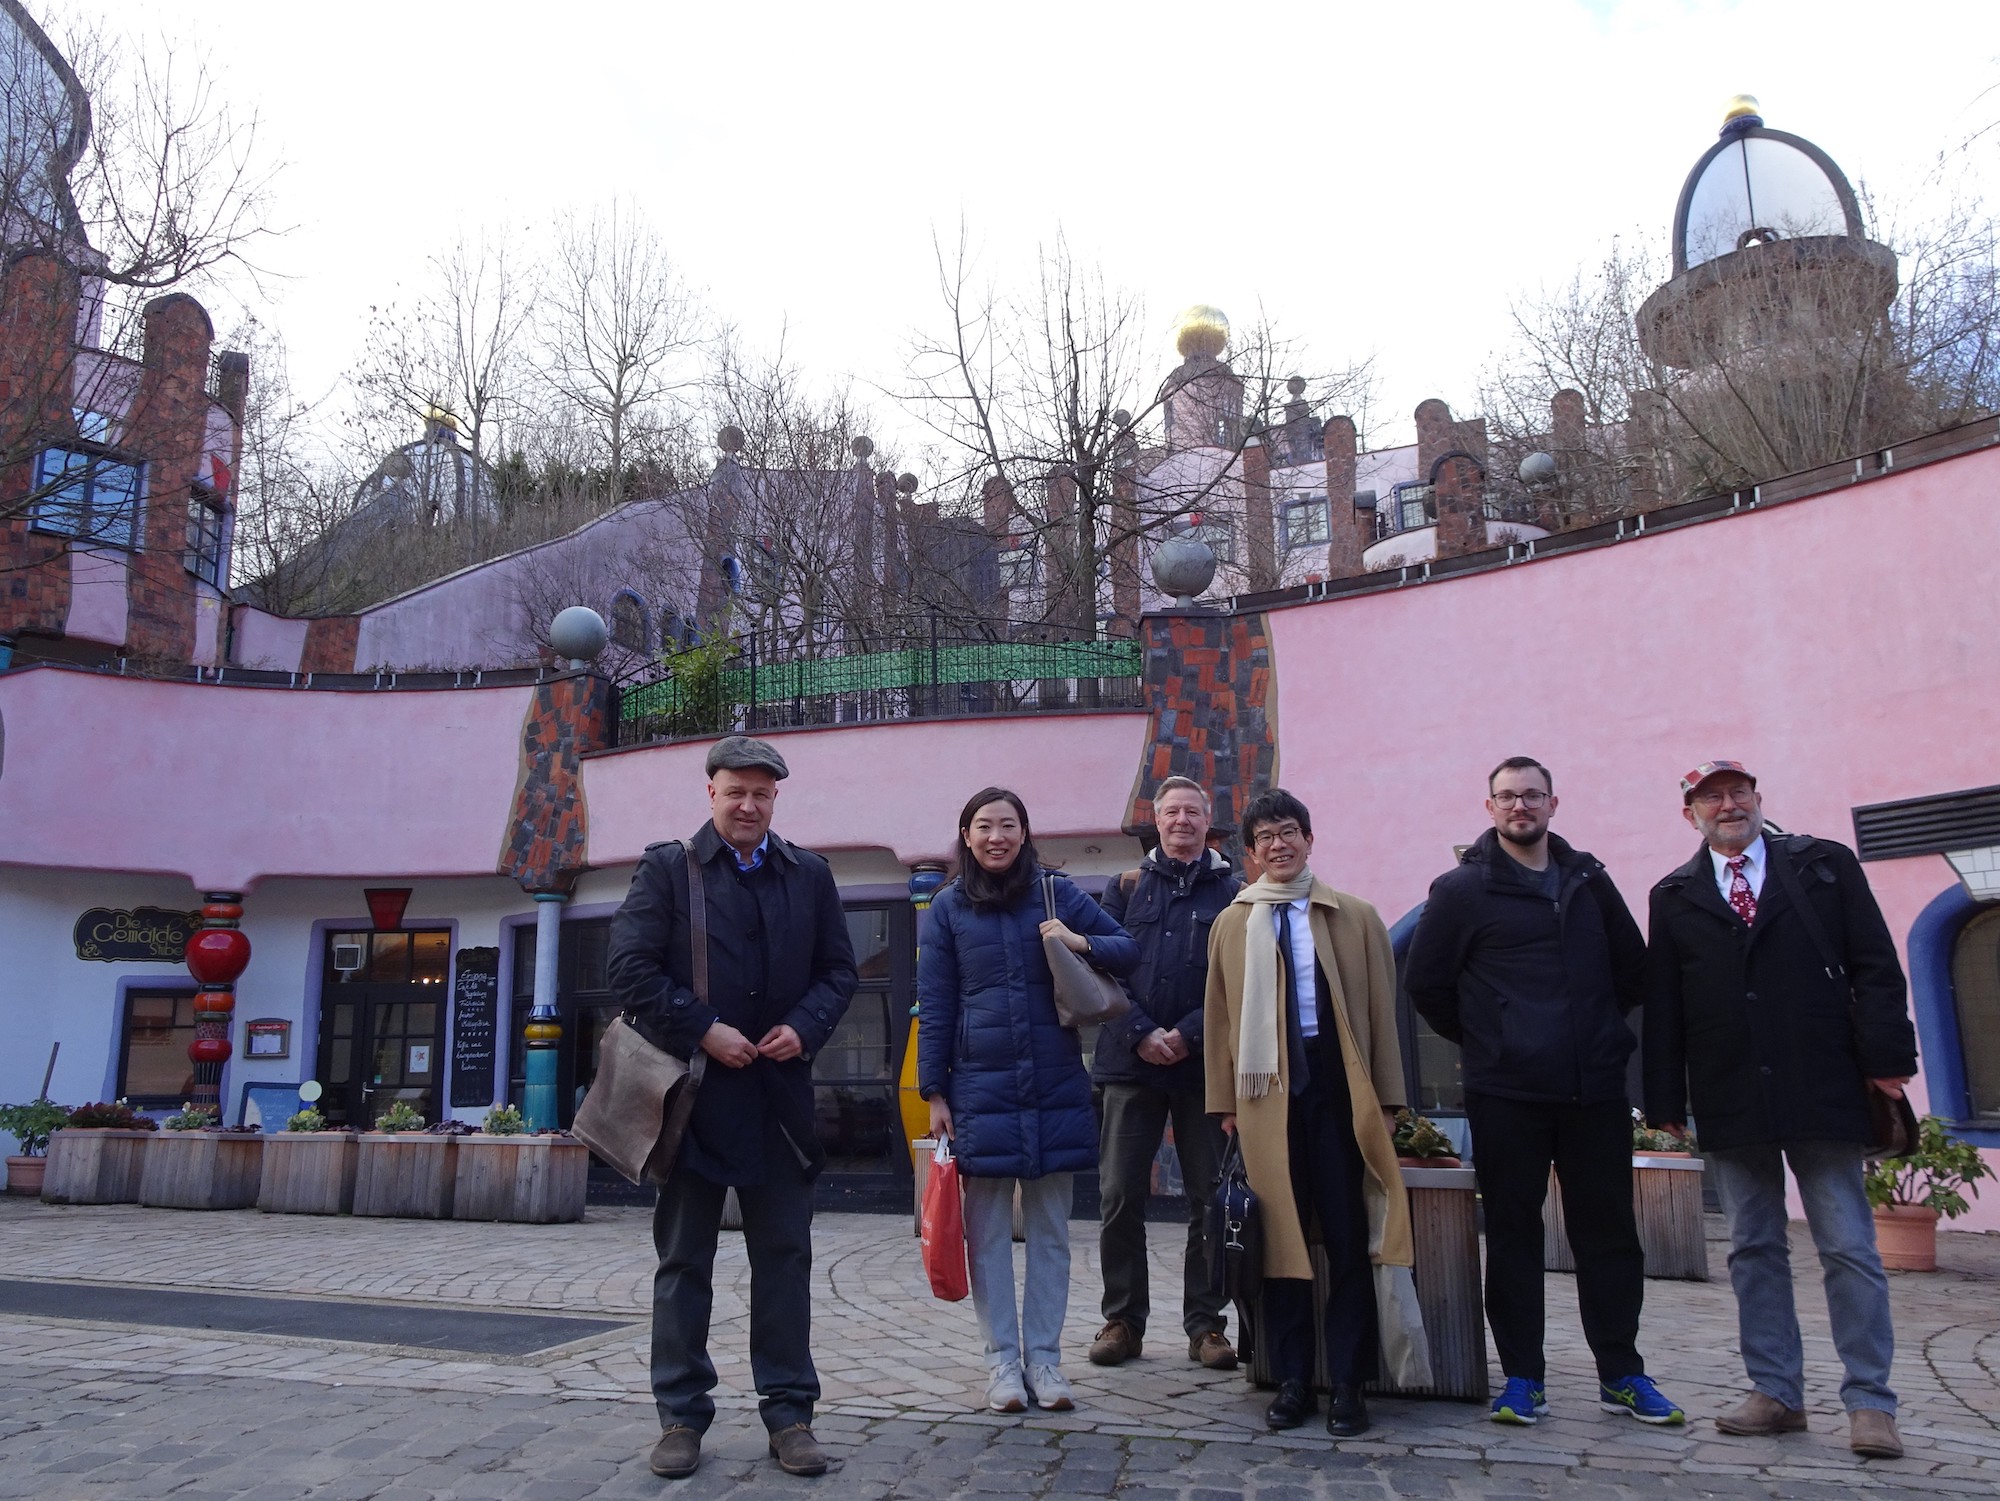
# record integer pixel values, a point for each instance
(616, 326)
(1044, 419)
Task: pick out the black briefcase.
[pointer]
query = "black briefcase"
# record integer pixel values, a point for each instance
(1234, 1230)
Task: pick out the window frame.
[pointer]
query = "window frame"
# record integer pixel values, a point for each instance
(132, 995)
(97, 460)
(1308, 503)
(207, 524)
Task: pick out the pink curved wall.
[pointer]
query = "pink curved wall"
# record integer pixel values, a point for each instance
(226, 785)
(898, 787)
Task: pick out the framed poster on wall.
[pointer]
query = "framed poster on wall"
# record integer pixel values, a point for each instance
(267, 1037)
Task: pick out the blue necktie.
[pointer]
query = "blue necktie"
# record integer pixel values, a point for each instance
(1295, 1036)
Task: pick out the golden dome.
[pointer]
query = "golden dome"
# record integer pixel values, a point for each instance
(1741, 105)
(1201, 330)
(439, 417)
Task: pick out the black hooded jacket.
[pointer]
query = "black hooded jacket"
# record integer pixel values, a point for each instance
(1535, 992)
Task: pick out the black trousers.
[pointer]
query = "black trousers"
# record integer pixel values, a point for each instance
(1514, 1143)
(1135, 1121)
(1327, 1179)
(777, 1233)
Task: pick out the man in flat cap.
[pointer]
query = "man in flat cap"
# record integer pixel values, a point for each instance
(780, 975)
(1775, 1005)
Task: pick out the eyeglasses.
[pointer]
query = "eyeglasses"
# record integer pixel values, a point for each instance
(1291, 833)
(1742, 793)
(1525, 799)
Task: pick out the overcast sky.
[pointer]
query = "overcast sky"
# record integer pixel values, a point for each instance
(1381, 180)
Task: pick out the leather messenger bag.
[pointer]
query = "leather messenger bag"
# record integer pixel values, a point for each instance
(638, 1106)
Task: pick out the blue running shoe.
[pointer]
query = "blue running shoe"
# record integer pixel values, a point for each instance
(1520, 1401)
(1638, 1396)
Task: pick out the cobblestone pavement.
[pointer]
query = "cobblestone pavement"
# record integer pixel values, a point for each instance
(102, 1411)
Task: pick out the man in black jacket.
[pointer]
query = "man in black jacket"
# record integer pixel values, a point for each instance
(1528, 959)
(1148, 1069)
(780, 974)
(1775, 1001)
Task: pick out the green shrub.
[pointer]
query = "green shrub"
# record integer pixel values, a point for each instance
(308, 1120)
(188, 1118)
(33, 1123)
(504, 1120)
(1937, 1175)
(401, 1116)
(1419, 1136)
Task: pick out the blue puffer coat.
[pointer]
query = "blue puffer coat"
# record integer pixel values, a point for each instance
(988, 1038)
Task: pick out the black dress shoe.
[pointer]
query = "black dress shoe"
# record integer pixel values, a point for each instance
(1346, 1413)
(1294, 1404)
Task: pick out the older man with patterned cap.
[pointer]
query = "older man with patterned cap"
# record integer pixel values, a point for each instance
(1775, 1004)
(780, 974)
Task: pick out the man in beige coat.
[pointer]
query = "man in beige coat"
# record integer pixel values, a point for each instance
(1304, 1063)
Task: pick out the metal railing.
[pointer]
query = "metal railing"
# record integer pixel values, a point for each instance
(935, 669)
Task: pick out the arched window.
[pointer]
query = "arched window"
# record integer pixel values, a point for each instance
(629, 627)
(1975, 985)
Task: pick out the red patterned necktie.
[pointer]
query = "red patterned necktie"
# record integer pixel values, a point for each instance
(1741, 897)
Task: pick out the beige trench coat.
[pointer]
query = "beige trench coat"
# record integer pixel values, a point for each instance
(1353, 948)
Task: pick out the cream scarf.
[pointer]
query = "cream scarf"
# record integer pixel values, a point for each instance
(1259, 1041)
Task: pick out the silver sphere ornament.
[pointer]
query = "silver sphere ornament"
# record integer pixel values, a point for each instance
(1183, 567)
(579, 634)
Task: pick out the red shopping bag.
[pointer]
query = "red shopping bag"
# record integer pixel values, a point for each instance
(944, 1227)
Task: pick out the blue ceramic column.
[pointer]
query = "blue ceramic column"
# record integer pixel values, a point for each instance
(543, 1033)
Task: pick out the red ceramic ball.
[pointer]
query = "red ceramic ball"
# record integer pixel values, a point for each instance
(216, 956)
(209, 1050)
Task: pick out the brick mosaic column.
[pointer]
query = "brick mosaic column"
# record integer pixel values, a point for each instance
(217, 953)
(1209, 686)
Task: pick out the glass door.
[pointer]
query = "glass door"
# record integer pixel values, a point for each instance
(381, 1025)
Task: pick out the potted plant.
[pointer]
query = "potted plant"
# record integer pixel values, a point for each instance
(506, 1173)
(1910, 1194)
(197, 1163)
(402, 1169)
(1421, 1142)
(31, 1125)
(309, 1167)
(95, 1157)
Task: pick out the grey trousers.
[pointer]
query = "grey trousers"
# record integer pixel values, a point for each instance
(777, 1233)
(1135, 1122)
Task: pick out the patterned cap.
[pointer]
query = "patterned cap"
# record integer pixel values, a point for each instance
(1708, 769)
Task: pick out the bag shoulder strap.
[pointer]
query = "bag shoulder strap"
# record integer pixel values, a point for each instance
(1781, 866)
(697, 923)
(1128, 882)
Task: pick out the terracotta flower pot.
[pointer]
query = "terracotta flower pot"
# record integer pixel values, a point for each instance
(1428, 1162)
(24, 1175)
(1906, 1235)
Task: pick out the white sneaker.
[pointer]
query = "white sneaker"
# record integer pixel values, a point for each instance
(1050, 1391)
(1004, 1391)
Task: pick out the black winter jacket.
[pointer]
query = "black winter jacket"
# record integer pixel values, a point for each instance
(1170, 917)
(778, 954)
(1534, 992)
(1747, 1022)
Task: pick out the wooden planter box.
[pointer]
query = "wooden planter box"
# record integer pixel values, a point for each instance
(308, 1172)
(1666, 1197)
(94, 1165)
(200, 1170)
(404, 1175)
(534, 1180)
(1445, 1228)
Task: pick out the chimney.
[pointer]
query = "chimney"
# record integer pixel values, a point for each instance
(1349, 531)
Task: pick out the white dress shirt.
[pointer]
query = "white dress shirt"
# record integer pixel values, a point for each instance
(1754, 859)
(1305, 962)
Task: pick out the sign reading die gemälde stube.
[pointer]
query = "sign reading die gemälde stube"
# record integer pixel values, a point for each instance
(114, 935)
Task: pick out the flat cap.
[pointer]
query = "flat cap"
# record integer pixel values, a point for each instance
(742, 753)
(1709, 769)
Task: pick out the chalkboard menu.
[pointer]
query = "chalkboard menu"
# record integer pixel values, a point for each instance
(475, 1027)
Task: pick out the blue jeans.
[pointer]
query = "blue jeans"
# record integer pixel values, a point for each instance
(989, 1257)
(1751, 1184)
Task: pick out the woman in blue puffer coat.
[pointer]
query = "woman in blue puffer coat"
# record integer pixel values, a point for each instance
(1006, 1081)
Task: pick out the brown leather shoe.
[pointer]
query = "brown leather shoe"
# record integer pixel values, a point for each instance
(1212, 1351)
(1116, 1343)
(797, 1451)
(1760, 1416)
(1872, 1434)
(678, 1453)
